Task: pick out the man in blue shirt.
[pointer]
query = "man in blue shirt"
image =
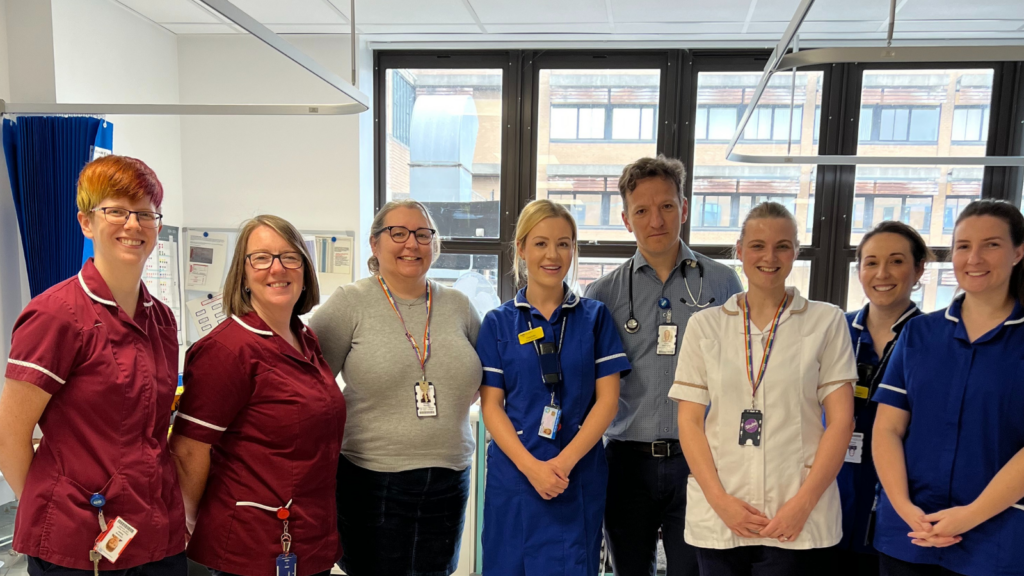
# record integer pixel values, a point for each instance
(651, 297)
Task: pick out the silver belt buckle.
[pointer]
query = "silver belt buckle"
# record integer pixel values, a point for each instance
(663, 453)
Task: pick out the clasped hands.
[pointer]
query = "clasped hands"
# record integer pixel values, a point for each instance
(746, 521)
(940, 529)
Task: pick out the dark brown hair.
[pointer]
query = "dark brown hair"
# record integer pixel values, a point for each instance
(661, 167)
(1014, 221)
(919, 249)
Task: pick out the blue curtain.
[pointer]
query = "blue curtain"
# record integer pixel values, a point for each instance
(44, 157)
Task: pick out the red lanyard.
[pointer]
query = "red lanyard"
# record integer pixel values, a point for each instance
(423, 356)
(755, 383)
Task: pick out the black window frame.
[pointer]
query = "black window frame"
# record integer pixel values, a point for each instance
(829, 251)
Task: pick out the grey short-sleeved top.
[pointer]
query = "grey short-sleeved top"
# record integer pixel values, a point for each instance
(363, 338)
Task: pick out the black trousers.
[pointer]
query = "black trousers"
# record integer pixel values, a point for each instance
(176, 565)
(764, 561)
(890, 566)
(646, 493)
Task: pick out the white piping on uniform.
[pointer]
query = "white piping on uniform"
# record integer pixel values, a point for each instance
(262, 507)
(495, 370)
(1017, 321)
(34, 367)
(250, 328)
(1017, 506)
(147, 304)
(948, 317)
(200, 422)
(612, 357)
(91, 295)
(893, 388)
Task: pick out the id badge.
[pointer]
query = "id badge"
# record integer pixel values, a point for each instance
(855, 453)
(287, 564)
(549, 422)
(112, 542)
(750, 428)
(667, 339)
(426, 399)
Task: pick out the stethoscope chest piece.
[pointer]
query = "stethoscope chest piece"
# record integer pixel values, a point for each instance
(632, 326)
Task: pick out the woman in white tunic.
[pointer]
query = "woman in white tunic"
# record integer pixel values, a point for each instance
(763, 492)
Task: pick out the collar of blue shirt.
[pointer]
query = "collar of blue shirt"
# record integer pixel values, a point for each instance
(953, 314)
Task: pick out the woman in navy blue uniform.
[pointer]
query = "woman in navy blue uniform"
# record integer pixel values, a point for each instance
(552, 363)
(949, 433)
(890, 262)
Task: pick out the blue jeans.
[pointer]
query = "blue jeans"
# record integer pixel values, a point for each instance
(401, 523)
(646, 493)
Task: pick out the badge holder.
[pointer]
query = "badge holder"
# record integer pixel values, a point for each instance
(750, 427)
(426, 399)
(113, 539)
(862, 389)
(667, 331)
(552, 375)
(287, 563)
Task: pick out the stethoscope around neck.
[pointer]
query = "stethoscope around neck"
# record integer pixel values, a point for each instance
(632, 325)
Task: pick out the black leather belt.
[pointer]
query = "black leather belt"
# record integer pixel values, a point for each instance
(657, 449)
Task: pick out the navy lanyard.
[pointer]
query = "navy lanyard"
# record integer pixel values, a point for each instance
(561, 339)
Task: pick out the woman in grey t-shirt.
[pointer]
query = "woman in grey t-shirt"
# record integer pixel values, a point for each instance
(405, 348)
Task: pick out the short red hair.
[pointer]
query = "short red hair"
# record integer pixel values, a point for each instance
(117, 177)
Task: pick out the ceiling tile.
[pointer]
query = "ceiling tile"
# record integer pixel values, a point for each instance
(951, 9)
(290, 11)
(160, 11)
(678, 27)
(550, 28)
(201, 28)
(840, 27)
(310, 28)
(541, 11)
(828, 10)
(412, 12)
(679, 10)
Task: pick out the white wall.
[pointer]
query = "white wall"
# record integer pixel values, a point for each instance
(105, 53)
(304, 169)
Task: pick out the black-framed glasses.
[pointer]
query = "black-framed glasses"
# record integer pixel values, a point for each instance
(120, 216)
(264, 260)
(400, 234)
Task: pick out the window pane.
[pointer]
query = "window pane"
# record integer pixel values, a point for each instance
(593, 268)
(722, 123)
(723, 192)
(475, 275)
(444, 146)
(930, 113)
(617, 125)
(867, 117)
(924, 125)
(592, 123)
(647, 120)
(800, 276)
(938, 284)
(563, 123)
(626, 124)
(701, 128)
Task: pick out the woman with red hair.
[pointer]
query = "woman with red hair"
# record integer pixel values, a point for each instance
(94, 363)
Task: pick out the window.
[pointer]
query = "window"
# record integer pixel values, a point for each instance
(402, 102)
(446, 149)
(768, 123)
(475, 275)
(593, 268)
(723, 192)
(614, 112)
(594, 201)
(954, 206)
(970, 124)
(924, 112)
(899, 124)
